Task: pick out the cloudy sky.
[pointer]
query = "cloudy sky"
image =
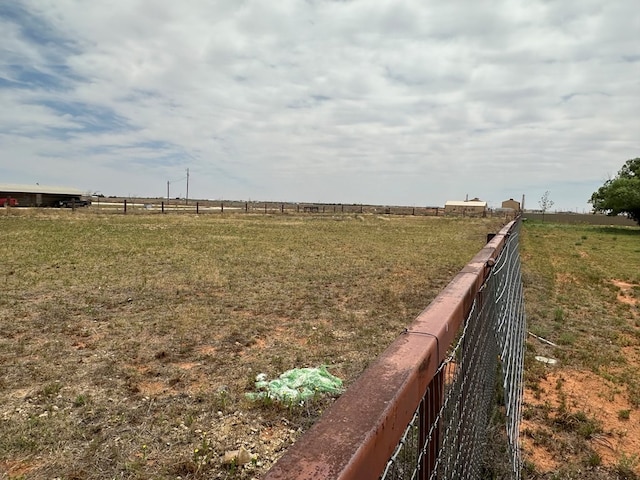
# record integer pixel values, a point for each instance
(404, 102)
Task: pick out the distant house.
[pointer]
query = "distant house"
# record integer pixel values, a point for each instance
(41, 196)
(471, 208)
(511, 204)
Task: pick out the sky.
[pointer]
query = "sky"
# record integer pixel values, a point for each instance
(390, 102)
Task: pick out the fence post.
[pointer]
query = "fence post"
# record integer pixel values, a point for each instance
(265, 208)
(162, 207)
(197, 208)
(125, 205)
(428, 414)
(221, 207)
(246, 207)
(282, 208)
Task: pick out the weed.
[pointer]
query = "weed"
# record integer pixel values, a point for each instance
(51, 389)
(624, 414)
(594, 460)
(144, 453)
(626, 466)
(567, 338)
(203, 454)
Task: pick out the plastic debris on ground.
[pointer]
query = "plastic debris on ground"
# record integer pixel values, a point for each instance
(296, 385)
(548, 361)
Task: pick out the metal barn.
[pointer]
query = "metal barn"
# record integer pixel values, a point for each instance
(39, 195)
(466, 208)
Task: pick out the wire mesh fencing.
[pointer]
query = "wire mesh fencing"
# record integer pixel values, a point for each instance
(467, 423)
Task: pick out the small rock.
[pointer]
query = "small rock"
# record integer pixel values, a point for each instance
(239, 457)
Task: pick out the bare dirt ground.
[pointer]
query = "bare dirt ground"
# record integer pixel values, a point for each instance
(565, 392)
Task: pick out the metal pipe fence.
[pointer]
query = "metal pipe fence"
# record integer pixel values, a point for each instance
(452, 442)
(444, 400)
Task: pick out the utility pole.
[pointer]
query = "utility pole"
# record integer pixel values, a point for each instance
(186, 200)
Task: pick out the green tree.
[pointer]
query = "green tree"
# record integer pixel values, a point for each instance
(620, 194)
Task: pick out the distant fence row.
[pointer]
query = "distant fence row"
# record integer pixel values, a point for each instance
(444, 400)
(576, 218)
(274, 208)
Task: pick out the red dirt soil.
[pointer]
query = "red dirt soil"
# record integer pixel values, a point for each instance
(597, 397)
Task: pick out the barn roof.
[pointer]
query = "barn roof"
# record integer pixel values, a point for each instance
(46, 189)
(455, 203)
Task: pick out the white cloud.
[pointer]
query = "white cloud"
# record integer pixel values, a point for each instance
(341, 101)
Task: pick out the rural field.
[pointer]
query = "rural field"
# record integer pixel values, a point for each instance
(582, 293)
(128, 343)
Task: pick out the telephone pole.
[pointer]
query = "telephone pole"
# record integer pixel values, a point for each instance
(186, 200)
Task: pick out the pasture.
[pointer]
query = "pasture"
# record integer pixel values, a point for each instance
(582, 294)
(128, 342)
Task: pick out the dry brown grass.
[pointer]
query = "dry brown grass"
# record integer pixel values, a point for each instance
(127, 343)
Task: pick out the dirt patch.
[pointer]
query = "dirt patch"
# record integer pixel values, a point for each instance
(152, 388)
(623, 285)
(208, 350)
(562, 278)
(15, 469)
(626, 293)
(543, 458)
(569, 392)
(187, 365)
(632, 354)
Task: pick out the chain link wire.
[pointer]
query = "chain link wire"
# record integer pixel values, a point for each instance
(467, 423)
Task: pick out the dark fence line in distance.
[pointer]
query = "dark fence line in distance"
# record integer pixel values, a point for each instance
(275, 208)
(579, 218)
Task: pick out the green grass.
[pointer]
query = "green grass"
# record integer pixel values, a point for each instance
(570, 294)
(128, 342)
(571, 276)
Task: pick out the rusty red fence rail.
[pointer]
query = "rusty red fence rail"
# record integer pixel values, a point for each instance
(392, 421)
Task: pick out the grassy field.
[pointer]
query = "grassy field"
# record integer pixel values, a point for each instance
(128, 343)
(582, 291)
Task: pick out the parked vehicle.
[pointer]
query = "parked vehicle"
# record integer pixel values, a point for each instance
(12, 202)
(72, 202)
